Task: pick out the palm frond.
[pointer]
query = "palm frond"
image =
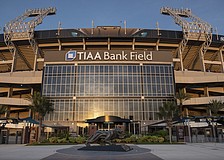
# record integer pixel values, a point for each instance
(169, 110)
(3, 109)
(215, 106)
(41, 104)
(181, 96)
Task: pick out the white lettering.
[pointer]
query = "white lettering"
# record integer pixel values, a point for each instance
(79, 55)
(149, 56)
(140, 57)
(119, 56)
(97, 56)
(124, 56)
(106, 55)
(133, 55)
(112, 57)
(89, 56)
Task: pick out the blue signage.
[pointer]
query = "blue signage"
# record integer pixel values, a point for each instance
(70, 55)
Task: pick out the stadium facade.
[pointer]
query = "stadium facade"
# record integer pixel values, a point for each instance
(110, 70)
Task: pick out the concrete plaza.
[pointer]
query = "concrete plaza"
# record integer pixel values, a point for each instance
(191, 151)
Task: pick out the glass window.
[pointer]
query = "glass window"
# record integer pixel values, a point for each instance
(58, 79)
(97, 69)
(87, 69)
(59, 69)
(101, 69)
(108, 80)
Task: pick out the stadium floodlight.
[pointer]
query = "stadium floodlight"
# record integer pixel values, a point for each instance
(195, 29)
(19, 29)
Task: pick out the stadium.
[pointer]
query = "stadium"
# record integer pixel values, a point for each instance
(108, 76)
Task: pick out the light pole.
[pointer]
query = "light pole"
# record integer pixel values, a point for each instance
(189, 130)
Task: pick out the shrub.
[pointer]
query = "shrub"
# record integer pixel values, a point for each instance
(161, 133)
(161, 139)
(71, 140)
(53, 139)
(153, 139)
(117, 140)
(150, 139)
(127, 140)
(80, 140)
(133, 138)
(45, 141)
(63, 140)
(142, 139)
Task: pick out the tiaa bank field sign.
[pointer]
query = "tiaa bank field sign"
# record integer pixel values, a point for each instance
(108, 55)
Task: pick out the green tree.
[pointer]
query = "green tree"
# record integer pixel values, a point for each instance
(214, 106)
(42, 106)
(181, 96)
(168, 111)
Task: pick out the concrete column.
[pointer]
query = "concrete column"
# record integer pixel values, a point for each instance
(13, 61)
(201, 55)
(157, 45)
(59, 45)
(10, 93)
(84, 44)
(206, 92)
(221, 58)
(108, 43)
(35, 59)
(108, 126)
(133, 44)
(186, 112)
(181, 59)
(30, 111)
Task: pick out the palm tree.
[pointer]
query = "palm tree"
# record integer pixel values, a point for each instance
(181, 96)
(42, 106)
(167, 112)
(3, 109)
(214, 106)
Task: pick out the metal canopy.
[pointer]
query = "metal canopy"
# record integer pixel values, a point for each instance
(108, 119)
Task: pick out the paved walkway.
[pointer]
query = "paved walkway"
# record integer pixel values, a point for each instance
(194, 151)
(72, 153)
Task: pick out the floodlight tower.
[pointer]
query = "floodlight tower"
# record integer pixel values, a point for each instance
(195, 29)
(18, 29)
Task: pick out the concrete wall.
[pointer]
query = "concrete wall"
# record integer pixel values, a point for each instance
(202, 100)
(26, 77)
(14, 101)
(198, 77)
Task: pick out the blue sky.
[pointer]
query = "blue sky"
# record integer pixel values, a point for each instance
(137, 13)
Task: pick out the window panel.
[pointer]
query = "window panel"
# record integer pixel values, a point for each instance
(108, 81)
(61, 75)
